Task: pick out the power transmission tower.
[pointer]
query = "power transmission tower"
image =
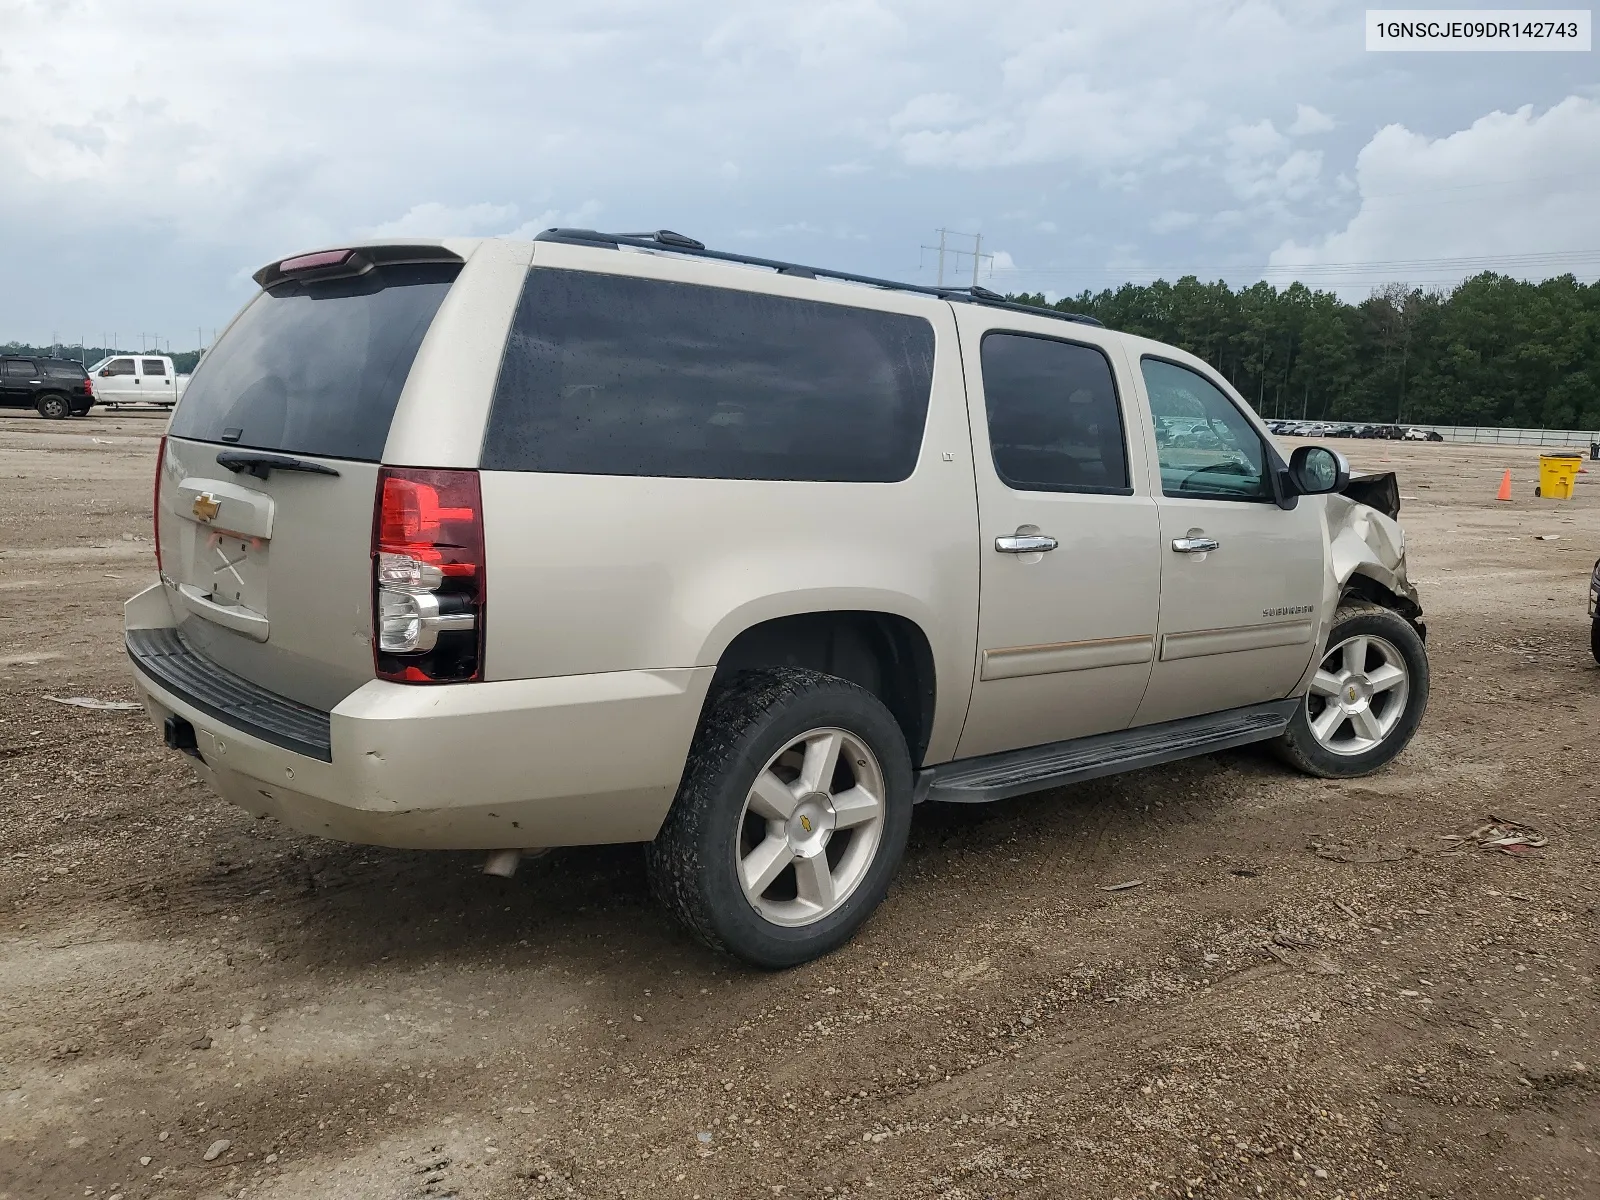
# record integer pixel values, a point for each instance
(944, 248)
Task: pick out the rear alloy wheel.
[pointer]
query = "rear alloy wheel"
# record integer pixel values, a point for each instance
(1366, 699)
(53, 407)
(811, 827)
(790, 820)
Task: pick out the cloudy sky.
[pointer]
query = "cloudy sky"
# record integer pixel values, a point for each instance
(155, 152)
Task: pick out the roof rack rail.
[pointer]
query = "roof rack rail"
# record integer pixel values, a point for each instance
(677, 243)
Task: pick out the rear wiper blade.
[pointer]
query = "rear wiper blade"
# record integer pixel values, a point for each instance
(253, 462)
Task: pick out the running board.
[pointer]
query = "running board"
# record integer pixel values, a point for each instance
(999, 776)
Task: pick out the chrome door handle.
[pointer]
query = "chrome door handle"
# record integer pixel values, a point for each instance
(1195, 545)
(1024, 543)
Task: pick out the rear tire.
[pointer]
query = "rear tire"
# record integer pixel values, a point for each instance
(777, 890)
(1367, 699)
(53, 407)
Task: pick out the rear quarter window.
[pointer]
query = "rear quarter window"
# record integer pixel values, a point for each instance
(315, 368)
(66, 370)
(614, 375)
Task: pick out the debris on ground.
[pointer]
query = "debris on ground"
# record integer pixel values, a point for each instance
(1338, 851)
(1122, 887)
(97, 705)
(1498, 834)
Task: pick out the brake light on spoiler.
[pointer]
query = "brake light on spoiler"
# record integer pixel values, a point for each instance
(428, 576)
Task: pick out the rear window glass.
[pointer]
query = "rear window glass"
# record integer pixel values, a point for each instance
(1054, 421)
(152, 366)
(66, 370)
(315, 368)
(613, 375)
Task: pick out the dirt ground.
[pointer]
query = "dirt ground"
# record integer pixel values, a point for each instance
(1308, 994)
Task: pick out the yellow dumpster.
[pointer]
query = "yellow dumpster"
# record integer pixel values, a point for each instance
(1558, 473)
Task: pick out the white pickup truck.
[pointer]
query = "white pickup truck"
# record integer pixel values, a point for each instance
(124, 379)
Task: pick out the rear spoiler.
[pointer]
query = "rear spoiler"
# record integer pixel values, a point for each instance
(357, 260)
(1380, 491)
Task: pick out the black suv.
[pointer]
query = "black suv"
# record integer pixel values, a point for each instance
(54, 387)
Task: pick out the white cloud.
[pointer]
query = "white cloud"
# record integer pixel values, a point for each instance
(433, 219)
(930, 108)
(1308, 120)
(1172, 221)
(1511, 184)
(1256, 174)
(1254, 141)
(582, 217)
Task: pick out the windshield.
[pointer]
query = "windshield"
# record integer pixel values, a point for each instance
(315, 368)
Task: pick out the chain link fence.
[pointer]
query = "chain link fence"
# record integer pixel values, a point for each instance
(1576, 439)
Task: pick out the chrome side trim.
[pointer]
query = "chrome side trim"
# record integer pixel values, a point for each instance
(1203, 642)
(230, 616)
(1013, 662)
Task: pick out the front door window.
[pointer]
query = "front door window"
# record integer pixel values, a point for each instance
(1207, 449)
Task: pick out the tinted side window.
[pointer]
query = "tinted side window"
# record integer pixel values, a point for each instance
(66, 370)
(612, 375)
(315, 367)
(19, 368)
(1054, 421)
(1206, 447)
(152, 366)
(119, 366)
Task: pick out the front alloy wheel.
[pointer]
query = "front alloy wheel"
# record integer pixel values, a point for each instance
(1366, 698)
(1358, 695)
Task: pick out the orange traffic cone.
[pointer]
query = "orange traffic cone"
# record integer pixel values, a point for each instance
(1505, 486)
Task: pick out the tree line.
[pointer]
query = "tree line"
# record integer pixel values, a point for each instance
(1492, 351)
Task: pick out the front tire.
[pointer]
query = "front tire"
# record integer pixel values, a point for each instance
(751, 856)
(53, 407)
(1366, 699)
(1594, 638)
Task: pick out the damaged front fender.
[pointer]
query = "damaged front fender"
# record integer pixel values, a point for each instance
(1365, 556)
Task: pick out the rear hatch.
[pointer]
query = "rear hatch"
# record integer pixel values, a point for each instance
(266, 491)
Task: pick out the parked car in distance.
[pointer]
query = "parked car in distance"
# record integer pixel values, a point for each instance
(738, 563)
(123, 379)
(52, 387)
(1423, 435)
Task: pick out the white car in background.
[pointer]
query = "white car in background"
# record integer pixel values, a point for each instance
(136, 379)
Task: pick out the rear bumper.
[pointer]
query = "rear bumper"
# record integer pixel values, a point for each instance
(574, 760)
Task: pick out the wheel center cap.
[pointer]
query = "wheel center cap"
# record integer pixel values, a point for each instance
(1356, 694)
(811, 824)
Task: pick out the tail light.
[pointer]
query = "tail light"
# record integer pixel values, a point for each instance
(88, 386)
(428, 576)
(155, 498)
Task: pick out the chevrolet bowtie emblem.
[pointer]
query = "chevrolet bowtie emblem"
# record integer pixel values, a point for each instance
(206, 506)
(805, 823)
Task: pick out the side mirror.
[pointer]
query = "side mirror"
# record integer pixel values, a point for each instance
(106, 374)
(1316, 471)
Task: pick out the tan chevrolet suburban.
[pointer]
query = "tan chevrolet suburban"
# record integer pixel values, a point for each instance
(497, 545)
